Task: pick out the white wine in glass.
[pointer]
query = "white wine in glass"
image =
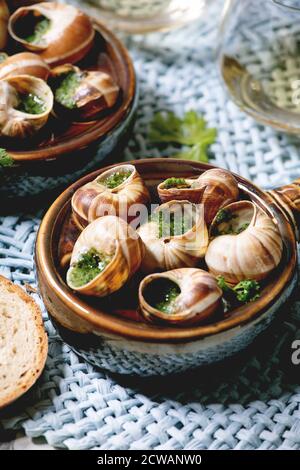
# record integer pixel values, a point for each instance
(259, 56)
(145, 16)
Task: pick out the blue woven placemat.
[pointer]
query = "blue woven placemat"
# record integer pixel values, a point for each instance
(251, 403)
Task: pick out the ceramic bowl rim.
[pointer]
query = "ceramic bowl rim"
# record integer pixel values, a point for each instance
(123, 327)
(80, 141)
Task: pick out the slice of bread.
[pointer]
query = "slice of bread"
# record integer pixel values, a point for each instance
(23, 342)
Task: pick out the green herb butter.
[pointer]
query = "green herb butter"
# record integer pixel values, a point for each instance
(40, 29)
(242, 228)
(66, 91)
(116, 179)
(230, 230)
(227, 224)
(167, 301)
(179, 183)
(88, 267)
(31, 104)
(224, 215)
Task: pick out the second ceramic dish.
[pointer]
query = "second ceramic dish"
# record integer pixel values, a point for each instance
(62, 150)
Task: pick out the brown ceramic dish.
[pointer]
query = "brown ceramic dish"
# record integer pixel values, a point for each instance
(61, 152)
(110, 334)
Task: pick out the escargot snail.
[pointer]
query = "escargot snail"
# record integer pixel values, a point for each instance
(215, 189)
(115, 191)
(82, 94)
(220, 189)
(106, 254)
(179, 297)
(175, 237)
(246, 243)
(180, 189)
(58, 33)
(24, 63)
(25, 105)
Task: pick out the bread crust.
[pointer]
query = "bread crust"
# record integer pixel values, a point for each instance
(42, 348)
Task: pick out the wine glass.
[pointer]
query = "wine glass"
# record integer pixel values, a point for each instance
(259, 56)
(144, 16)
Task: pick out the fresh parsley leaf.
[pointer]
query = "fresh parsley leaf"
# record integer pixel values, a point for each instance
(223, 284)
(245, 291)
(190, 131)
(197, 153)
(5, 159)
(165, 128)
(194, 130)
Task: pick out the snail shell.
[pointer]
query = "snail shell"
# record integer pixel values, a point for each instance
(24, 63)
(96, 92)
(252, 251)
(215, 189)
(4, 17)
(199, 297)
(68, 38)
(170, 252)
(95, 199)
(110, 235)
(15, 123)
(220, 189)
(192, 192)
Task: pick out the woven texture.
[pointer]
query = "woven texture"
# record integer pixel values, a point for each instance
(252, 402)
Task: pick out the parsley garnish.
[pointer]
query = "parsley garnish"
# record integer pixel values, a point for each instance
(245, 291)
(189, 131)
(5, 159)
